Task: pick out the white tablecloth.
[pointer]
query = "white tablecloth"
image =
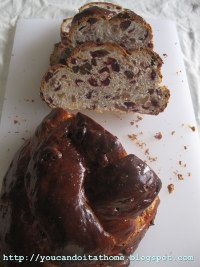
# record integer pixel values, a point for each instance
(186, 14)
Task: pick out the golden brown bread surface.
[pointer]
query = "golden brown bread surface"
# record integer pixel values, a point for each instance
(72, 189)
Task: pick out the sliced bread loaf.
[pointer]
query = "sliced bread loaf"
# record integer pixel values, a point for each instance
(105, 77)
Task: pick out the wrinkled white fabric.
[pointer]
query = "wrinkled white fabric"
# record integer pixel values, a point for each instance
(186, 14)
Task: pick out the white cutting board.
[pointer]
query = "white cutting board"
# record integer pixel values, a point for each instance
(177, 225)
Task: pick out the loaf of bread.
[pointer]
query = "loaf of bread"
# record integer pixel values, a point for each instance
(101, 25)
(73, 190)
(105, 77)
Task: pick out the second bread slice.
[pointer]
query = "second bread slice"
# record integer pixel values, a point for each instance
(105, 77)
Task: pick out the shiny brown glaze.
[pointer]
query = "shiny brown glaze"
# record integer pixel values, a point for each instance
(72, 189)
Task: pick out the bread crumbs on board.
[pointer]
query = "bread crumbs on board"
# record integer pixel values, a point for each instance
(142, 145)
(139, 118)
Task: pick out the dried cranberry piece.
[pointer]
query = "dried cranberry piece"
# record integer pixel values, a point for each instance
(105, 69)
(75, 69)
(114, 64)
(73, 60)
(153, 75)
(92, 81)
(50, 100)
(57, 88)
(85, 68)
(106, 82)
(77, 81)
(94, 62)
(155, 102)
(129, 74)
(48, 76)
(129, 104)
(151, 91)
(125, 24)
(89, 94)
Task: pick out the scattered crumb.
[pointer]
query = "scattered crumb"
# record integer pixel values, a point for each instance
(139, 118)
(132, 136)
(185, 147)
(16, 132)
(32, 100)
(192, 128)
(142, 145)
(146, 152)
(170, 188)
(189, 174)
(24, 139)
(179, 175)
(164, 55)
(181, 163)
(158, 135)
(139, 143)
(173, 132)
(16, 121)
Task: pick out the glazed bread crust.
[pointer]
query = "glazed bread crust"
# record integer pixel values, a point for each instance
(51, 200)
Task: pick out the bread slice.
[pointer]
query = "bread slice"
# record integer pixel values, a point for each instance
(105, 77)
(101, 25)
(66, 24)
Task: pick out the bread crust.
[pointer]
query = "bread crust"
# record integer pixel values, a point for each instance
(106, 5)
(66, 149)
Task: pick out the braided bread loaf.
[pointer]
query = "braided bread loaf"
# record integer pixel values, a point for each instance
(72, 189)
